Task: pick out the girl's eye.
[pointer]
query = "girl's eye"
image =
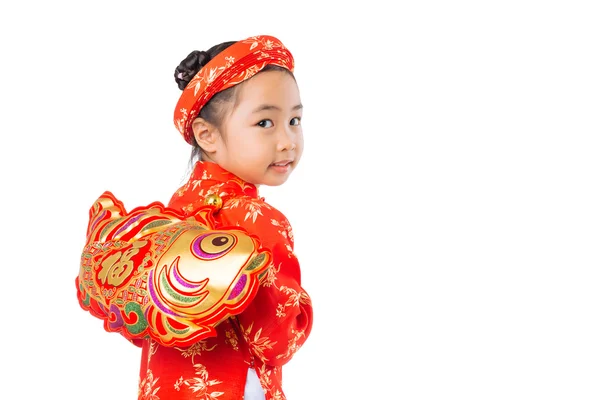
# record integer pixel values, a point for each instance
(295, 121)
(265, 123)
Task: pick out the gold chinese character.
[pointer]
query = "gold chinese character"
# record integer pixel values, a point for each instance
(116, 268)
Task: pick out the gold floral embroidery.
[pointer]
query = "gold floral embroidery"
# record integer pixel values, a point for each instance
(214, 189)
(195, 350)
(295, 298)
(280, 312)
(200, 384)
(271, 276)
(196, 182)
(293, 345)
(258, 344)
(251, 71)
(152, 350)
(287, 234)
(146, 390)
(265, 381)
(264, 376)
(277, 395)
(232, 203)
(252, 206)
(290, 250)
(253, 210)
(286, 230)
(230, 60)
(231, 338)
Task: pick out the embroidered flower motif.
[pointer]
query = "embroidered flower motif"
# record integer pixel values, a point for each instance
(286, 232)
(230, 60)
(263, 55)
(267, 384)
(271, 277)
(250, 72)
(181, 121)
(196, 83)
(265, 376)
(152, 350)
(294, 300)
(189, 208)
(195, 183)
(200, 385)
(231, 338)
(258, 344)
(290, 250)
(253, 42)
(212, 74)
(294, 297)
(293, 345)
(277, 395)
(146, 390)
(253, 211)
(233, 203)
(195, 350)
(280, 312)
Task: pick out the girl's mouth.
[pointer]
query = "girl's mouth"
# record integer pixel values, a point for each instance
(282, 166)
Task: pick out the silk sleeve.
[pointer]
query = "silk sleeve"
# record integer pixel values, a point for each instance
(279, 320)
(150, 273)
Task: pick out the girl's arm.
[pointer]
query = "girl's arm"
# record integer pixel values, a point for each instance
(279, 319)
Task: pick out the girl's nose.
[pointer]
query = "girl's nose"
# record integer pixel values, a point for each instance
(285, 141)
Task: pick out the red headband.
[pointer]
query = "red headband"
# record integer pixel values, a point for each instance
(237, 63)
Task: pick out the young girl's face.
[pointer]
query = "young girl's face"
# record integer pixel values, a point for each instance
(261, 139)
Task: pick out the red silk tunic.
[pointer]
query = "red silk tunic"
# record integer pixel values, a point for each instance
(274, 323)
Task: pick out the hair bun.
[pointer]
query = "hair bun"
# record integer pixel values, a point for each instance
(189, 67)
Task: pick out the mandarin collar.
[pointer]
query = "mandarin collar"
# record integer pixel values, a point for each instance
(210, 178)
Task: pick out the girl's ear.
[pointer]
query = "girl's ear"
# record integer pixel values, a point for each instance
(205, 134)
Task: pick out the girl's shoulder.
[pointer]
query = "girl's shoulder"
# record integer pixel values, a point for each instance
(253, 208)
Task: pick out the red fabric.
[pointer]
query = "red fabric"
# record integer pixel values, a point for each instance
(264, 336)
(237, 63)
(275, 324)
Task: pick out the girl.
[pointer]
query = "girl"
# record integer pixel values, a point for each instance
(209, 286)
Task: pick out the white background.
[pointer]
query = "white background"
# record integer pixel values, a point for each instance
(446, 210)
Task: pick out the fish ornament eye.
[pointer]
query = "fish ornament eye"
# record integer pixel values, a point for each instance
(213, 245)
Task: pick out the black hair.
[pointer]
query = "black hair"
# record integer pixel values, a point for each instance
(213, 111)
(188, 68)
